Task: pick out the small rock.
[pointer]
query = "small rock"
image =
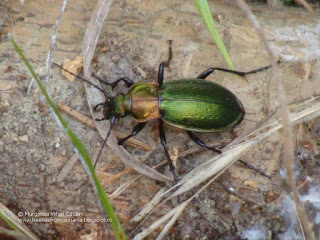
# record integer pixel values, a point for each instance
(42, 167)
(6, 104)
(73, 66)
(24, 120)
(250, 183)
(24, 138)
(13, 137)
(29, 132)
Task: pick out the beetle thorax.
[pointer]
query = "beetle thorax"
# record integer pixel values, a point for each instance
(144, 101)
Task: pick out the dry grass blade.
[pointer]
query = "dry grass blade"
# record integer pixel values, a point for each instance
(306, 6)
(67, 168)
(52, 42)
(123, 187)
(107, 179)
(12, 234)
(149, 206)
(16, 221)
(288, 154)
(92, 33)
(177, 210)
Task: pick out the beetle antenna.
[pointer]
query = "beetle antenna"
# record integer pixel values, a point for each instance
(107, 95)
(112, 121)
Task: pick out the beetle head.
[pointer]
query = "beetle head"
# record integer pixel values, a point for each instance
(109, 108)
(118, 106)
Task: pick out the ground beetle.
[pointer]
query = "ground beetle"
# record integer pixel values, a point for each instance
(192, 104)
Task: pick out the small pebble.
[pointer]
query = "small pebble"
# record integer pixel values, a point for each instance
(24, 138)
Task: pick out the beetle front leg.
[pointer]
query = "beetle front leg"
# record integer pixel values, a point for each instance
(207, 72)
(112, 122)
(200, 142)
(164, 144)
(135, 131)
(165, 64)
(127, 81)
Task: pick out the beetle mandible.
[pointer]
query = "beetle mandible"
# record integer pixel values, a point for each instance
(192, 104)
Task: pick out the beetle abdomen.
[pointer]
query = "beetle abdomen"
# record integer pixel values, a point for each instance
(199, 105)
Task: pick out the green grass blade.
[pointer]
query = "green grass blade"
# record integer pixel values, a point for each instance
(11, 225)
(205, 13)
(118, 230)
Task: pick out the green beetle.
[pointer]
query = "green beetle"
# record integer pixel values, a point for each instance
(191, 104)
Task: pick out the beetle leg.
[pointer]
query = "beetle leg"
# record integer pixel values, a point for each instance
(165, 64)
(127, 81)
(200, 142)
(160, 74)
(253, 168)
(96, 107)
(135, 131)
(100, 119)
(207, 72)
(164, 144)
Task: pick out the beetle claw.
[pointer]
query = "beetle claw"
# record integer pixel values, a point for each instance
(96, 107)
(214, 150)
(113, 86)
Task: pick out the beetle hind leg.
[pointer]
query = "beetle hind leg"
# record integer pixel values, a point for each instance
(254, 168)
(207, 72)
(200, 142)
(164, 144)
